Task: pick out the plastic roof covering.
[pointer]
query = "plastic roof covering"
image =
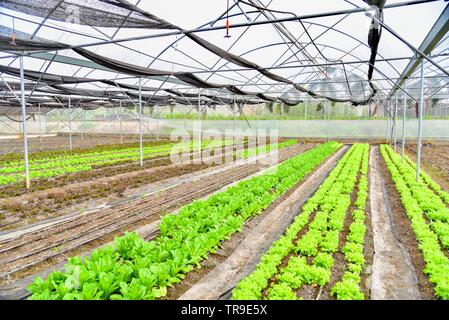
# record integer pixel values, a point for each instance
(436, 85)
(284, 47)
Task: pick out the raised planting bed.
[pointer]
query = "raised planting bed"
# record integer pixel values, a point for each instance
(426, 206)
(47, 242)
(109, 182)
(47, 167)
(321, 254)
(434, 160)
(135, 269)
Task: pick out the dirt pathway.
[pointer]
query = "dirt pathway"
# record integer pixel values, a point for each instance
(220, 280)
(393, 275)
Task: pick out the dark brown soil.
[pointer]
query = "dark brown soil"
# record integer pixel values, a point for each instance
(94, 229)
(52, 243)
(368, 250)
(435, 162)
(49, 203)
(227, 248)
(17, 189)
(273, 280)
(405, 234)
(315, 292)
(340, 264)
(107, 183)
(61, 142)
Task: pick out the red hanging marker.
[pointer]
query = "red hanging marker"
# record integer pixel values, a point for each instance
(227, 29)
(227, 21)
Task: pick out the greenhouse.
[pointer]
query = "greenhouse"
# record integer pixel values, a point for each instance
(224, 150)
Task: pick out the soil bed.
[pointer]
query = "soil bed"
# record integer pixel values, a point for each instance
(368, 250)
(17, 189)
(29, 208)
(435, 162)
(34, 250)
(340, 264)
(60, 142)
(240, 254)
(404, 233)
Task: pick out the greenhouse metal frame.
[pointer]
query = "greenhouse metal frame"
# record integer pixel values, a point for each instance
(220, 63)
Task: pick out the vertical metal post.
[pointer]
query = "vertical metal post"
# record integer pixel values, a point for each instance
(40, 124)
(120, 120)
(199, 119)
(233, 127)
(148, 117)
(157, 124)
(257, 125)
(395, 121)
(24, 122)
(140, 122)
(275, 123)
(328, 120)
(421, 107)
(82, 131)
(404, 115)
(388, 122)
(70, 123)
(227, 118)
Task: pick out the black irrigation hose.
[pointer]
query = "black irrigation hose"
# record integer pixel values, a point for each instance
(14, 120)
(372, 41)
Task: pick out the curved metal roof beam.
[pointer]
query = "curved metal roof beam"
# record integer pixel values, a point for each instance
(328, 28)
(282, 43)
(88, 36)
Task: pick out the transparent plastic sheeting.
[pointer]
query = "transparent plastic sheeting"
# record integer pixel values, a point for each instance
(337, 37)
(438, 129)
(195, 81)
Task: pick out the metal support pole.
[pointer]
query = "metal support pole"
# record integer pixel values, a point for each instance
(275, 122)
(157, 125)
(421, 107)
(70, 123)
(148, 119)
(120, 120)
(404, 115)
(233, 127)
(257, 125)
(388, 123)
(24, 122)
(328, 120)
(40, 124)
(199, 119)
(140, 122)
(395, 121)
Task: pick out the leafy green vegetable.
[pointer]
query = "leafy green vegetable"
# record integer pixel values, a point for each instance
(144, 270)
(330, 204)
(428, 215)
